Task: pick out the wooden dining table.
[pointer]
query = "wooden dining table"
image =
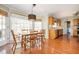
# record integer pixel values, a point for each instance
(26, 36)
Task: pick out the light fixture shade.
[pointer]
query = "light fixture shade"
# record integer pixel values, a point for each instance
(32, 16)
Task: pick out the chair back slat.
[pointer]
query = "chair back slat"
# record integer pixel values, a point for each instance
(14, 38)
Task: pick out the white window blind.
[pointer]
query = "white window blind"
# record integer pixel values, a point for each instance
(20, 22)
(2, 28)
(37, 25)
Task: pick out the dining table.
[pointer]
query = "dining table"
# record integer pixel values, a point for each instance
(26, 37)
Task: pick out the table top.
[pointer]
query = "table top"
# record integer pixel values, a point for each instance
(32, 33)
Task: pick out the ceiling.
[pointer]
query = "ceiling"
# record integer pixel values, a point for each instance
(57, 10)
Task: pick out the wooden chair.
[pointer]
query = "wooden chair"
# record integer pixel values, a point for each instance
(24, 39)
(14, 42)
(40, 38)
(23, 42)
(33, 37)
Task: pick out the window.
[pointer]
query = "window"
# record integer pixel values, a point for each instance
(20, 22)
(2, 27)
(37, 25)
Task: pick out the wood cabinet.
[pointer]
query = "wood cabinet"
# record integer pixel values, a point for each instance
(78, 20)
(74, 32)
(75, 21)
(59, 32)
(75, 24)
(52, 34)
(51, 20)
(55, 33)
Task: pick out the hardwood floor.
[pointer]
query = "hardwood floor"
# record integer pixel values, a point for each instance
(61, 45)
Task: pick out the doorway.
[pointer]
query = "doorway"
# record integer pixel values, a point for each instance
(68, 29)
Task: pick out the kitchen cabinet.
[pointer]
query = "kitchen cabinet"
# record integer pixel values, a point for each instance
(52, 34)
(55, 33)
(75, 24)
(51, 20)
(74, 32)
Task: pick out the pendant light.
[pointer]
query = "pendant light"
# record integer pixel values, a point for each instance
(32, 16)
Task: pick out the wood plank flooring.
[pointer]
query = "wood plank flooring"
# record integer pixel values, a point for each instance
(61, 45)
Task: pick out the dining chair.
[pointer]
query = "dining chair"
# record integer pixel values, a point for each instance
(33, 37)
(23, 42)
(40, 38)
(25, 39)
(16, 41)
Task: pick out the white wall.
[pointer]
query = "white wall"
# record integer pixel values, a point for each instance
(64, 25)
(45, 25)
(71, 25)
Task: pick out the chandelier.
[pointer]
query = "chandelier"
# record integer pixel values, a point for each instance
(32, 16)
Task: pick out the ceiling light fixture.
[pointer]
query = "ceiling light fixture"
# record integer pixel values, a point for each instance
(32, 16)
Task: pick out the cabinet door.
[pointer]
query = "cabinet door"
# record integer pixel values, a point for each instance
(75, 22)
(74, 32)
(52, 34)
(51, 20)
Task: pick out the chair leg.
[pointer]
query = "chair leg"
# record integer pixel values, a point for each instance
(13, 49)
(23, 42)
(24, 45)
(31, 42)
(41, 42)
(37, 43)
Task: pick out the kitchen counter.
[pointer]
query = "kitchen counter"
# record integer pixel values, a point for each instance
(55, 33)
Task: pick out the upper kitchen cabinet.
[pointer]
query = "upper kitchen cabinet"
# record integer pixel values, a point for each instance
(51, 20)
(75, 22)
(78, 20)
